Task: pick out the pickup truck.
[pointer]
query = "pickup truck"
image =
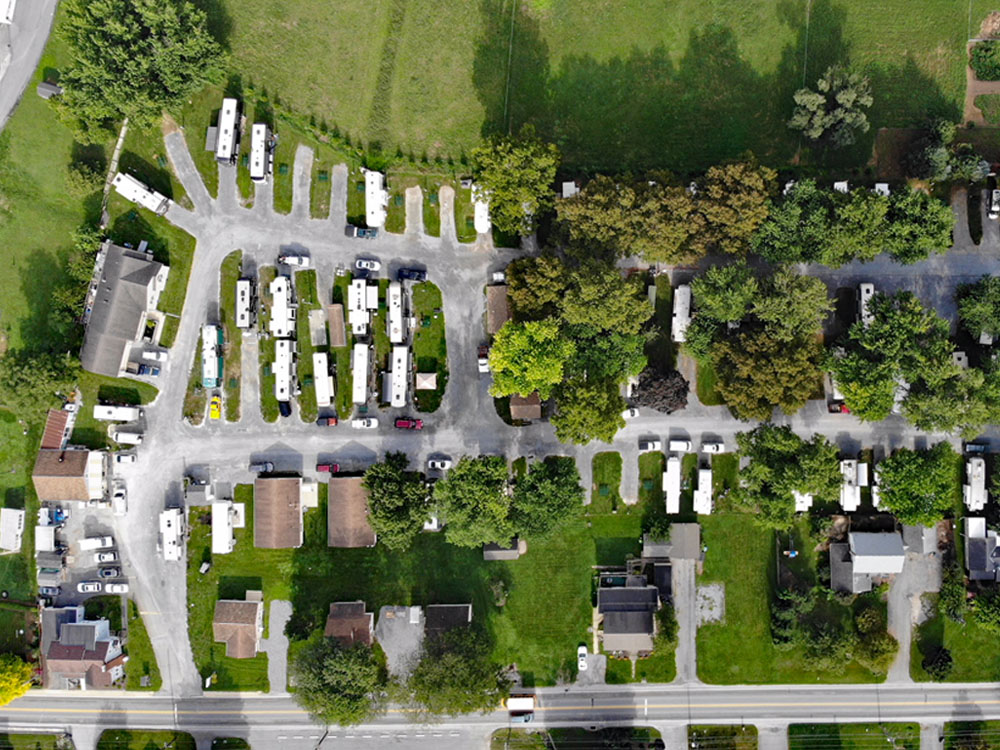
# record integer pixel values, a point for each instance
(484, 358)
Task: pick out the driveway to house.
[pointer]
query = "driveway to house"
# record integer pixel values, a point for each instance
(276, 646)
(685, 594)
(21, 46)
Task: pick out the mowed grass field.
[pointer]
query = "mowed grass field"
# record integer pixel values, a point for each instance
(632, 84)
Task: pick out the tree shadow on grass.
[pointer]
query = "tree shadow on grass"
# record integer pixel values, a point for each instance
(117, 394)
(154, 176)
(41, 330)
(132, 229)
(236, 587)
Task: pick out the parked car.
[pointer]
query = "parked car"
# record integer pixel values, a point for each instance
(411, 274)
(367, 233)
(155, 356)
(367, 264)
(646, 446)
(364, 423)
(350, 230)
(630, 413)
(581, 659)
(96, 542)
(117, 588)
(298, 261)
(119, 501)
(215, 408)
(106, 557)
(149, 370)
(327, 422)
(49, 590)
(125, 458)
(284, 409)
(329, 468)
(262, 467)
(976, 448)
(108, 572)
(484, 358)
(89, 587)
(439, 464)
(409, 423)
(713, 447)
(994, 196)
(679, 445)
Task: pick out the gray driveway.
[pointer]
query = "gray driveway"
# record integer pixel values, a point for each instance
(21, 46)
(276, 646)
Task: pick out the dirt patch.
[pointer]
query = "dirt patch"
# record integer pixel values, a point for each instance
(990, 27)
(711, 603)
(169, 124)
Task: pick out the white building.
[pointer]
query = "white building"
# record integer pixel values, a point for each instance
(569, 189)
(394, 321)
(481, 211)
(359, 374)
(371, 297)
(116, 413)
(284, 362)
(223, 539)
(132, 190)
(225, 143)
(974, 491)
(260, 155)
(672, 485)
(357, 307)
(882, 188)
(211, 357)
(7, 10)
(244, 304)
(322, 379)
(400, 374)
(11, 529)
(282, 323)
(376, 198)
(865, 294)
(803, 501)
(842, 186)
(850, 488)
(172, 531)
(682, 313)
(703, 495)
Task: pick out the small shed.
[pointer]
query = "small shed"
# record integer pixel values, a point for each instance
(47, 90)
(526, 408)
(426, 381)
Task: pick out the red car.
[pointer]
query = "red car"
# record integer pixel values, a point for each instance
(331, 468)
(408, 423)
(327, 421)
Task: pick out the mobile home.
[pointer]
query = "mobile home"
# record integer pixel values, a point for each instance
(322, 379)
(260, 152)
(211, 356)
(227, 143)
(244, 304)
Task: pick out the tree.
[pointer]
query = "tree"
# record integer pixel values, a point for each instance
(758, 371)
(547, 496)
(397, 501)
(985, 60)
(725, 293)
(455, 675)
(938, 664)
(734, 203)
(605, 355)
(338, 685)
(797, 227)
(475, 500)
(979, 306)
(792, 306)
(516, 173)
(31, 381)
(599, 297)
(964, 402)
(874, 647)
(536, 285)
(918, 225)
(780, 462)
(134, 58)
(918, 487)
(665, 393)
(528, 357)
(938, 158)
(836, 111)
(588, 410)
(15, 678)
(858, 229)
(953, 601)
(986, 609)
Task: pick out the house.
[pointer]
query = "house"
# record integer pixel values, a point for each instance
(77, 653)
(74, 474)
(347, 514)
(358, 314)
(864, 296)
(283, 369)
(11, 529)
(359, 375)
(672, 485)
(525, 408)
(277, 512)
(511, 551)
(440, 618)
(125, 294)
(245, 304)
(129, 188)
(223, 538)
(682, 313)
(627, 612)
(497, 308)
(569, 189)
(882, 188)
(335, 318)
(702, 501)
(283, 309)
(348, 623)
(982, 550)
(803, 501)
(855, 476)
(322, 379)
(240, 625)
(45, 89)
(211, 356)
(58, 428)
(974, 490)
(173, 528)
(376, 198)
(394, 320)
(399, 376)
(866, 557)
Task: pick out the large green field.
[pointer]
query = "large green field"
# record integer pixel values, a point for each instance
(632, 84)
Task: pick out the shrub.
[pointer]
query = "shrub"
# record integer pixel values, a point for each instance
(952, 600)
(666, 621)
(938, 664)
(985, 60)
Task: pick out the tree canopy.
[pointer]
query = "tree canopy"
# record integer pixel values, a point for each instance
(547, 496)
(456, 675)
(15, 678)
(836, 111)
(601, 298)
(588, 410)
(979, 306)
(475, 500)
(918, 487)
(338, 685)
(665, 393)
(31, 381)
(516, 174)
(535, 286)
(528, 357)
(397, 501)
(725, 293)
(134, 58)
(734, 203)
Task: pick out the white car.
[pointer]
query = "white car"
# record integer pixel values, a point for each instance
(117, 588)
(89, 587)
(630, 413)
(439, 464)
(679, 445)
(364, 423)
(125, 458)
(299, 261)
(155, 356)
(713, 447)
(646, 446)
(119, 501)
(581, 659)
(106, 557)
(367, 264)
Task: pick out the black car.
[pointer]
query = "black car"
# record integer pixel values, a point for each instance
(262, 467)
(284, 408)
(351, 231)
(411, 274)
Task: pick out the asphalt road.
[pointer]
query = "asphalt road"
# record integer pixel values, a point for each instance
(24, 41)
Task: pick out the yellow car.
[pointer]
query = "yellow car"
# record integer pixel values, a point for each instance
(215, 408)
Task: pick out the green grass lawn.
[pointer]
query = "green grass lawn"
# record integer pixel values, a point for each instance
(17, 571)
(341, 355)
(572, 737)
(91, 432)
(725, 477)
(356, 197)
(145, 157)
(230, 743)
(854, 736)
(383, 346)
(963, 735)
(137, 739)
(202, 111)
(319, 192)
(395, 217)
(651, 468)
(465, 212)
(989, 105)
(308, 299)
(268, 403)
(607, 478)
(430, 348)
(660, 350)
(195, 397)
(30, 741)
(232, 352)
(284, 174)
(729, 736)
(705, 386)
(141, 659)
(974, 658)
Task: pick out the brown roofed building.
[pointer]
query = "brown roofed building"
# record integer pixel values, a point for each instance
(347, 514)
(78, 653)
(497, 308)
(440, 618)
(277, 512)
(349, 623)
(338, 336)
(56, 430)
(525, 408)
(239, 625)
(61, 475)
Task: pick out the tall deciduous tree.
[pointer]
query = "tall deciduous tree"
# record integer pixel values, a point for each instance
(979, 306)
(548, 496)
(725, 293)
(918, 487)
(665, 393)
(30, 381)
(588, 410)
(516, 174)
(397, 501)
(918, 225)
(792, 306)
(536, 285)
(474, 498)
(528, 357)
(734, 203)
(456, 675)
(338, 685)
(15, 678)
(599, 297)
(134, 58)
(836, 111)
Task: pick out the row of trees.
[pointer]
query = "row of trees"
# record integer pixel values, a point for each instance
(478, 500)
